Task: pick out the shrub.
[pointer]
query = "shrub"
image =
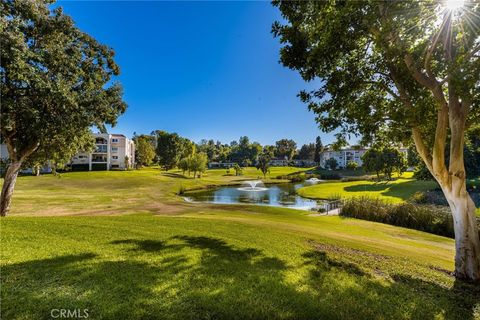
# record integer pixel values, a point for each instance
(182, 190)
(238, 169)
(429, 197)
(421, 173)
(293, 177)
(331, 176)
(311, 175)
(352, 165)
(185, 165)
(428, 218)
(99, 166)
(359, 178)
(473, 185)
(331, 163)
(297, 178)
(80, 167)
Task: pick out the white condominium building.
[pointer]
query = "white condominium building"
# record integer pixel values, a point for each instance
(343, 156)
(112, 151)
(346, 155)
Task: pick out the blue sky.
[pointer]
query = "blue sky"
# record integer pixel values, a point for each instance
(201, 69)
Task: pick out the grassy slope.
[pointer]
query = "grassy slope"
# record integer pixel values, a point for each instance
(395, 191)
(141, 191)
(206, 261)
(227, 264)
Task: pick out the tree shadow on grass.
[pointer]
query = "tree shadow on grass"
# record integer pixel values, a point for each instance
(145, 245)
(368, 187)
(402, 297)
(191, 277)
(402, 190)
(175, 175)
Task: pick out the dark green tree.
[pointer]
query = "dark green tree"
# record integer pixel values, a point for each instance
(56, 81)
(144, 150)
(307, 152)
(272, 150)
(392, 160)
(331, 164)
(198, 164)
(352, 165)
(318, 149)
(187, 148)
(244, 152)
(169, 149)
(407, 69)
(238, 169)
(263, 163)
(372, 161)
(286, 148)
(185, 165)
(209, 148)
(60, 151)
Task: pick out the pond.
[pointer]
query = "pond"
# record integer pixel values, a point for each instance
(254, 192)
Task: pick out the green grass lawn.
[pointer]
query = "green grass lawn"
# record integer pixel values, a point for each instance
(218, 264)
(395, 191)
(139, 252)
(148, 190)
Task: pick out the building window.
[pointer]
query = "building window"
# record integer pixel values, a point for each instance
(114, 140)
(114, 149)
(101, 149)
(115, 157)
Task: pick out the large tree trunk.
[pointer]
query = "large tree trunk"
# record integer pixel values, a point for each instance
(467, 241)
(8, 186)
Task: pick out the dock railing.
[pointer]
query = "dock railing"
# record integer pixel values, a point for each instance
(332, 205)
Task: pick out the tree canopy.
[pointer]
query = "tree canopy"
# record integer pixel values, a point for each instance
(318, 149)
(395, 70)
(144, 149)
(56, 81)
(169, 149)
(286, 148)
(386, 160)
(263, 162)
(307, 152)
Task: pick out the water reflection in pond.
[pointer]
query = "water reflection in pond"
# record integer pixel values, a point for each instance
(279, 195)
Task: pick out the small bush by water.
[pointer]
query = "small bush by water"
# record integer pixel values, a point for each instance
(182, 190)
(358, 178)
(330, 176)
(428, 218)
(297, 177)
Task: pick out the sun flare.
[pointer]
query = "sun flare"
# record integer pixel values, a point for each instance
(454, 5)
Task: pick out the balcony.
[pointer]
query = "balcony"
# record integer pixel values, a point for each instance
(99, 158)
(101, 148)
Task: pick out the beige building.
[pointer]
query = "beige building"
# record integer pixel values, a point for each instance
(346, 155)
(112, 151)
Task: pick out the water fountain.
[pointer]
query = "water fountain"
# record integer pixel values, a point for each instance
(313, 181)
(255, 185)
